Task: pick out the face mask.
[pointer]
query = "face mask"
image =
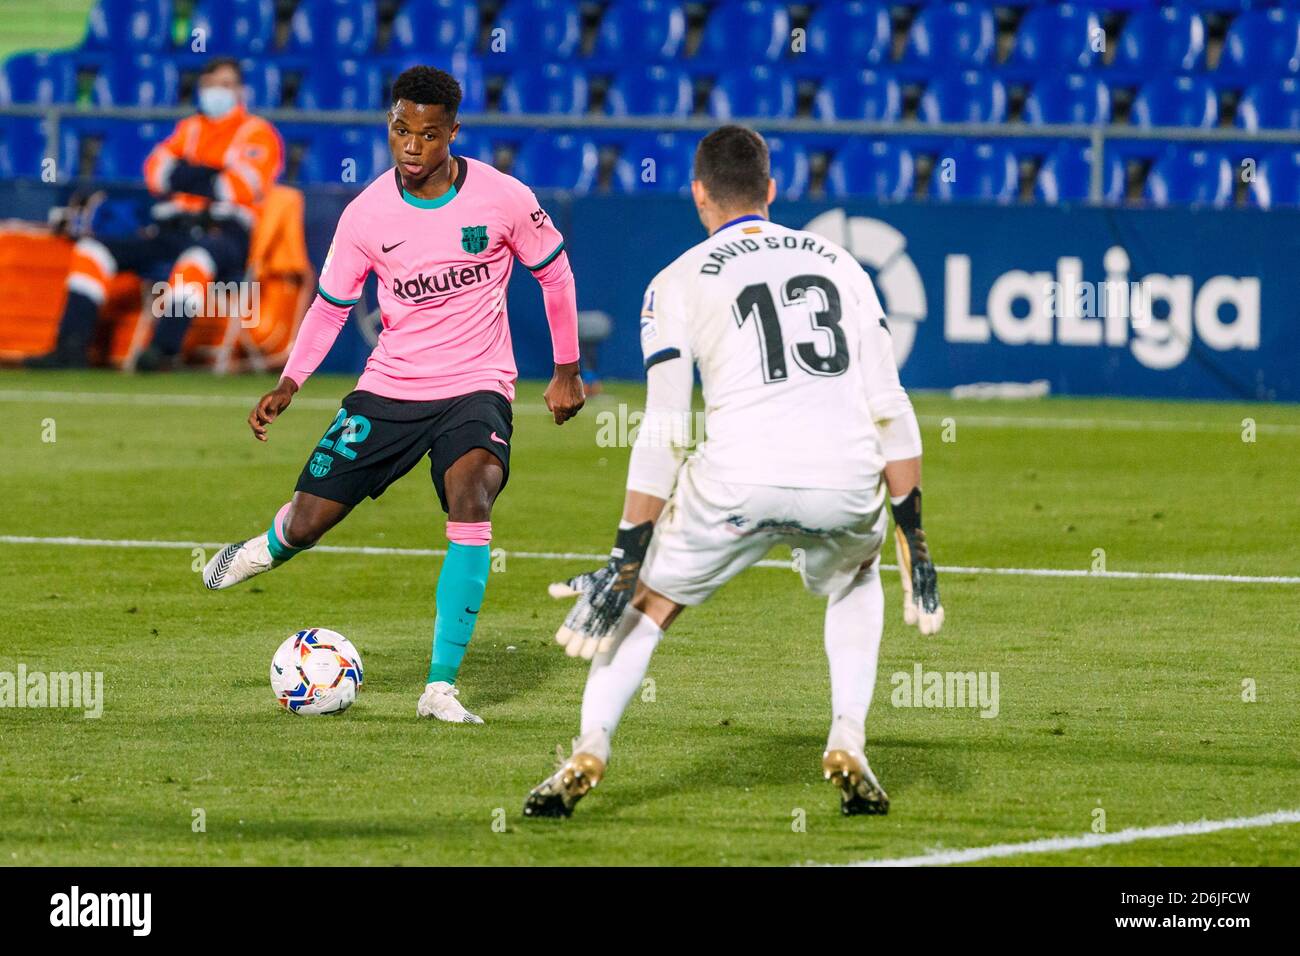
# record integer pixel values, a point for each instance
(216, 101)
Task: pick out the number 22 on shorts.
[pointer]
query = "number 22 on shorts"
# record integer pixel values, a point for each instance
(351, 430)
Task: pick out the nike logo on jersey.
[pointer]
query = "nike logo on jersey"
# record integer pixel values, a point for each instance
(468, 611)
(499, 440)
(392, 247)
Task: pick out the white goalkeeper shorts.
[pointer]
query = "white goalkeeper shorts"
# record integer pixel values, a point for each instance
(712, 530)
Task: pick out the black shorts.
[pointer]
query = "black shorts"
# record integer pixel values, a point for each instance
(373, 441)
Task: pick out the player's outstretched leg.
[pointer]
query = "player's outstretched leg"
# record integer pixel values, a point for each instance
(854, 621)
(615, 677)
(297, 526)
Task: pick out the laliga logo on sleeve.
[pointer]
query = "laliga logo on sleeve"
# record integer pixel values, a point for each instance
(879, 247)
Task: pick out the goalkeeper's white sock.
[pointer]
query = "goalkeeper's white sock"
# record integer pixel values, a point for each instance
(617, 675)
(855, 618)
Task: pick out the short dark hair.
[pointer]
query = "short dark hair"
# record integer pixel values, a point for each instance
(428, 85)
(217, 62)
(733, 164)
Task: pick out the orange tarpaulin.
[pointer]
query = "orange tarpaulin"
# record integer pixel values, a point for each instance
(34, 270)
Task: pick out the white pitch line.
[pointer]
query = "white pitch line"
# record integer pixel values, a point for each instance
(1087, 841)
(163, 400)
(583, 556)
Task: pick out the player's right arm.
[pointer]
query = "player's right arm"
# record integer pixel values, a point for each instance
(661, 446)
(900, 442)
(341, 279)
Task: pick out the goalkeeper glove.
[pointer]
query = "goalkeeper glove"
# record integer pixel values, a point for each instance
(602, 595)
(921, 606)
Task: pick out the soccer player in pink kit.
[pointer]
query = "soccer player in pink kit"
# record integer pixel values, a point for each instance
(440, 232)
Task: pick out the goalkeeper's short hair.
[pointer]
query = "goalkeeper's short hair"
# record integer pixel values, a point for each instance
(733, 164)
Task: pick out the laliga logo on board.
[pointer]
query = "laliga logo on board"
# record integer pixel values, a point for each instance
(1057, 308)
(879, 246)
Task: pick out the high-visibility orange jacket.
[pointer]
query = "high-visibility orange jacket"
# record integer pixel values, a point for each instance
(225, 166)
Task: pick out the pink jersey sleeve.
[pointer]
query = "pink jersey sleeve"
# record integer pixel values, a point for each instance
(560, 298)
(538, 245)
(341, 279)
(346, 264)
(533, 238)
(320, 327)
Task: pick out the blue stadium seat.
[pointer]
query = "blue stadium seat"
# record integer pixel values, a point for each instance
(1190, 176)
(341, 85)
(640, 31)
(261, 83)
(537, 29)
(435, 26)
(761, 30)
(124, 147)
(142, 80)
(475, 143)
(753, 91)
(855, 33)
(1272, 104)
(1263, 41)
(864, 95)
(348, 156)
(235, 27)
(337, 28)
(546, 88)
(657, 163)
(21, 144)
(791, 167)
(558, 161)
(129, 26)
(966, 97)
(985, 171)
(1161, 39)
(39, 78)
(1066, 174)
(1277, 182)
(1057, 38)
(655, 90)
(1068, 98)
(953, 34)
(1176, 101)
(878, 169)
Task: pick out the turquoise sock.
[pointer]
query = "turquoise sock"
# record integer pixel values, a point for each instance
(279, 550)
(461, 584)
(276, 544)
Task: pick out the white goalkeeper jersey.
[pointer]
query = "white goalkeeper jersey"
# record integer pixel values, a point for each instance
(793, 353)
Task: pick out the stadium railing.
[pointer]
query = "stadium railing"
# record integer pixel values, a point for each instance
(1097, 135)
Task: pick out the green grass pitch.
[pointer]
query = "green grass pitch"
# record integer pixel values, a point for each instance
(1116, 695)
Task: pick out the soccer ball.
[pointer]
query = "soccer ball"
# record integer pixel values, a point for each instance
(316, 672)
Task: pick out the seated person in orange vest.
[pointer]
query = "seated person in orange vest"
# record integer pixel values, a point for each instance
(210, 176)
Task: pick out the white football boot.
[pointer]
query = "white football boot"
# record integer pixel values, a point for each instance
(845, 764)
(556, 795)
(239, 562)
(439, 700)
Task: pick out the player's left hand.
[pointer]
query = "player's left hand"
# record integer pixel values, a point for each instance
(565, 395)
(921, 607)
(603, 595)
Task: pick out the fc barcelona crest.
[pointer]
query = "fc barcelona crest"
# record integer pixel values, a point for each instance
(473, 239)
(320, 463)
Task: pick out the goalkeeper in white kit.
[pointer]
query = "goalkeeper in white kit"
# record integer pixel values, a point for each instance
(809, 435)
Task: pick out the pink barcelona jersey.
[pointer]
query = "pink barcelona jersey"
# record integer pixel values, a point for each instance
(442, 266)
